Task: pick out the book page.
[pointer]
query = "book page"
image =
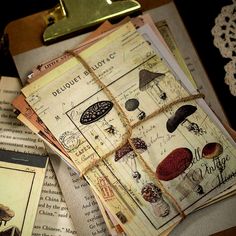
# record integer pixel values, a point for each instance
(81, 202)
(14, 136)
(53, 217)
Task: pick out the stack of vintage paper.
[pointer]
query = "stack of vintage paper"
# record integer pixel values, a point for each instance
(121, 111)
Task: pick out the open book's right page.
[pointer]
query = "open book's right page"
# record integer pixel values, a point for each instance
(166, 153)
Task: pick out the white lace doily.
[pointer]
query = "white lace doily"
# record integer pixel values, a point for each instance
(224, 32)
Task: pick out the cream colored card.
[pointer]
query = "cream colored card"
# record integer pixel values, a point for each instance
(20, 186)
(142, 78)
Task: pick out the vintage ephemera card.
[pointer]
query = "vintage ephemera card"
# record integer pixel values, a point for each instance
(176, 160)
(21, 176)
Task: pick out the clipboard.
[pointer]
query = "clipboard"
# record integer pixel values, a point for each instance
(34, 27)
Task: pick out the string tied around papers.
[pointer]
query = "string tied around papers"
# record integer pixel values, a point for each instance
(129, 127)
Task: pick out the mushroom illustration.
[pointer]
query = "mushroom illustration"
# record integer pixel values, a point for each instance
(213, 151)
(6, 214)
(145, 79)
(151, 193)
(12, 231)
(195, 177)
(180, 117)
(133, 104)
(127, 154)
(96, 112)
(174, 164)
(190, 183)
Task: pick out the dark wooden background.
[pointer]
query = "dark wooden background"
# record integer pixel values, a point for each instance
(199, 19)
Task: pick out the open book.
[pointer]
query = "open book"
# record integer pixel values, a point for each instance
(126, 116)
(23, 163)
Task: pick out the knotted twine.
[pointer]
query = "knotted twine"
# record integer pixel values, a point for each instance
(129, 128)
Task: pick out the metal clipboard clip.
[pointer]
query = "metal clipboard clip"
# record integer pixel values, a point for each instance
(72, 17)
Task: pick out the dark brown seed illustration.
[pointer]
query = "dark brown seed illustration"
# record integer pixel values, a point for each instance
(95, 112)
(211, 150)
(121, 217)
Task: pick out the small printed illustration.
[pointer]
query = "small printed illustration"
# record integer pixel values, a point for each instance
(180, 117)
(127, 154)
(151, 193)
(10, 231)
(174, 165)
(106, 189)
(148, 79)
(96, 112)
(214, 151)
(69, 140)
(132, 105)
(6, 214)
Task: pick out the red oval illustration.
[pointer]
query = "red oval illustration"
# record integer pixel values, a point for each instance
(174, 164)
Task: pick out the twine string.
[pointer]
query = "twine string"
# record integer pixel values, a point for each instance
(129, 128)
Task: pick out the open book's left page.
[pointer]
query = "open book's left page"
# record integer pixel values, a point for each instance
(23, 163)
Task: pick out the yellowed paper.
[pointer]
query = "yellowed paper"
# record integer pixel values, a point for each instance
(53, 217)
(124, 61)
